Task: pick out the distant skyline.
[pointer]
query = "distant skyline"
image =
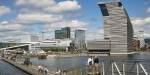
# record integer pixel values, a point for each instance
(23, 17)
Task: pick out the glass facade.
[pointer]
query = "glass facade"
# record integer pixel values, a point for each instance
(80, 39)
(104, 10)
(63, 33)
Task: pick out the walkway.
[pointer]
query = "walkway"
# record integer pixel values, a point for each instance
(7, 69)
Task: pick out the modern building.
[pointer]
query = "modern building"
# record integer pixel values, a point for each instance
(58, 34)
(63, 33)
(55, 43)
(80, 39)
(117, 27)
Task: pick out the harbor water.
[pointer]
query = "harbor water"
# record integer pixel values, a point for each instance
(79, 62)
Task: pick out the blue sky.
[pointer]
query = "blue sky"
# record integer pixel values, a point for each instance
(32, 16)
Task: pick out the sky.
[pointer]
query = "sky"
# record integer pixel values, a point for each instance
(26, 17)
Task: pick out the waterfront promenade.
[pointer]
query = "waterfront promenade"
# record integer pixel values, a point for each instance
(25, 69)
(76, 65)
(8, 69)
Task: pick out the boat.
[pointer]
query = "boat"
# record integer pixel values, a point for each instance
(42, 56)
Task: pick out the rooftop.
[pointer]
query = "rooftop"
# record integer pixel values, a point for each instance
(108, 1)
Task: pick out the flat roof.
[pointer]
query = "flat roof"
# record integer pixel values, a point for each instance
(109, 1)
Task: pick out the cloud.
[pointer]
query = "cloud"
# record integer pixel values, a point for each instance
(48, 5)
(141, 21)
(4, 10)
(97, 35)
(35, 3)
(73, 24)
(37, 18)
(141, 24)
(9, 30)
(64, 6)
(76, 24)
(148, 10)
(5, 26)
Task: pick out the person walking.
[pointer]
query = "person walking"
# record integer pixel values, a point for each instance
(96, 60)
(45, 70)
(90, 61)
(96, 65)
(40, 68)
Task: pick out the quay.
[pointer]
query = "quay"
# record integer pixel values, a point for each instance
(8, 69)
(26, 69)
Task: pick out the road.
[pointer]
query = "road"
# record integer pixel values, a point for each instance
(7, 69)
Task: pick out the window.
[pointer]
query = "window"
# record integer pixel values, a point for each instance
(104, 10)
(120, 4)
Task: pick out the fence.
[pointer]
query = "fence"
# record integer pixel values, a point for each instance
(120, 67)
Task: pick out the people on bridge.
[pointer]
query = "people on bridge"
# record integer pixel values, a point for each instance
(40, 69)
(96, 60)
(45, 70)
(90, 61)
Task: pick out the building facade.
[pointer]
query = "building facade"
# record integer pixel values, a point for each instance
(117, 27)
(58, 34)
(98, 46)
(63, 33)
(80, 39)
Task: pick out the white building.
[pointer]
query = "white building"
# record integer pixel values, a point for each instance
(56, 43)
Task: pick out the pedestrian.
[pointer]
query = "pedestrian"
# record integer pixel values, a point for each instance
(96, 60)
(96, 64)
(45, 70)
(90, 61)
(40, 68)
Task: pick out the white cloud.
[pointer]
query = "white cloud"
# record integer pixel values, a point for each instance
(35, 3)
(97, 35)
(5, 26)
(148, 10)
(74, 24)
(8, 30)
(141, 21)
(64, 6)
(141, 24)
(48, 5)
(4, 10)
(37, 18)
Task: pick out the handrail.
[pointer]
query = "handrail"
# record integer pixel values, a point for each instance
(126, 60)
(117, 68)
(144, 70)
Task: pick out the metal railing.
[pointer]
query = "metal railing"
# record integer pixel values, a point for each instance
(124, 67)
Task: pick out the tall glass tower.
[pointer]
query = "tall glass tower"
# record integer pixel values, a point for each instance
(80, 39)
(64, 33)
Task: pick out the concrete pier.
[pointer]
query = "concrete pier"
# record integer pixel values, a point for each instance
(26, 69)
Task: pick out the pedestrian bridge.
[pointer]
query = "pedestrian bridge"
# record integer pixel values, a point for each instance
(24, 47)
(115, 67)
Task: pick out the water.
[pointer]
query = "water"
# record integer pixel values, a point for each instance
(68, 63)
(61, 63)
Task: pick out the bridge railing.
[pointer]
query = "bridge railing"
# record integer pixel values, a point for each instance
(113, 67)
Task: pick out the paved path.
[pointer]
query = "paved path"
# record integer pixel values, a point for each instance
(7, 69)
